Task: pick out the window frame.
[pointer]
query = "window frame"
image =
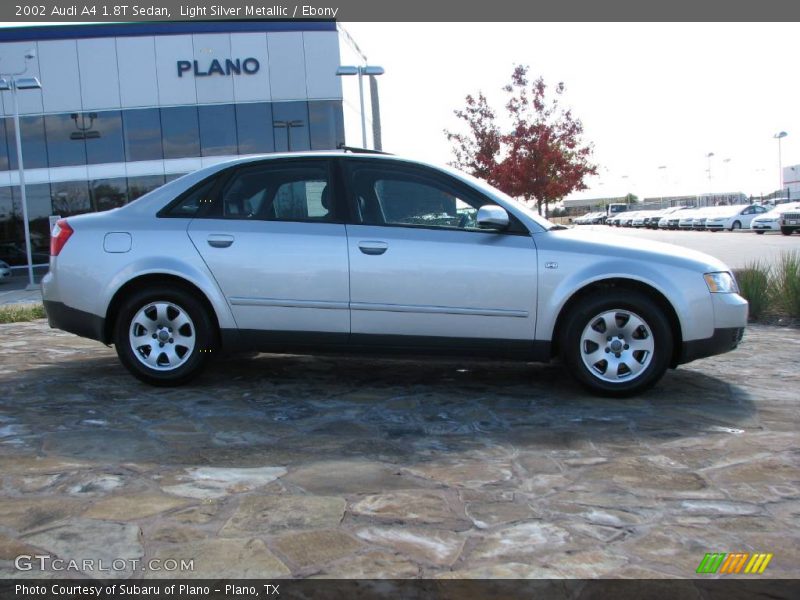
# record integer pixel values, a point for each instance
(210, 211)
(347, 165)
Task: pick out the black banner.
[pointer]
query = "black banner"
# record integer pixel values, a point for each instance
(44, 11)
(410, 589)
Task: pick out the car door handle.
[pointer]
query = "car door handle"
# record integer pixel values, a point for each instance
(373, 248)
(219, 240)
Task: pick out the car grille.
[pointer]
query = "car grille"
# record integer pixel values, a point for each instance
(791, 216)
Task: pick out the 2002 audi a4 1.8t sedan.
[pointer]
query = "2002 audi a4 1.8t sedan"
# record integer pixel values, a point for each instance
(318, 252)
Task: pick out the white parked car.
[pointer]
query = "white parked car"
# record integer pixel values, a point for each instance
(616, 219)
(769, 221)
(669, 219)
(687, 218)
(734, 217)
(365, 253)
(628, 218)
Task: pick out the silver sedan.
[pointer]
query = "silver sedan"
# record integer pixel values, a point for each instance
(324, 252)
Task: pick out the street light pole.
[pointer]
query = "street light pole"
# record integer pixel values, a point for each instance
(22, 193)
(779, 136)
(663, 169)
(708, 156)
(13, 83)
(372, 71)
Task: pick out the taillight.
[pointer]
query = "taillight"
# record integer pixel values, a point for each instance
(59, 236)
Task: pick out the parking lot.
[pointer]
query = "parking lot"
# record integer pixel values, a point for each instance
(351, 467)
(736, 249)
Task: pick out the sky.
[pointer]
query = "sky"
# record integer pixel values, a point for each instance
(649, 94)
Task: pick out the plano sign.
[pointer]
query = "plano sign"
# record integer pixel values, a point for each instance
(227, 66)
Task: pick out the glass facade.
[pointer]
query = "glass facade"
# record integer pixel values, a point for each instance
(290, 122)
(113, 136)
(108, 193)
(139, 186)
(142, 139)
(65, 144)
(103, 137)
(217, 129)
(180, 131)
(254, 128)
(4, 147)
(34, 143)
(146, 134)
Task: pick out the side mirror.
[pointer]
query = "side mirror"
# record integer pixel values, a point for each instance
(491, 216)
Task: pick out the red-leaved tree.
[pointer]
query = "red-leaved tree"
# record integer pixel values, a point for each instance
(541, 157)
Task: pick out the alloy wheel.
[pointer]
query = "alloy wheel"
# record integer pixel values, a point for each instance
(162, 336)
(617, 345)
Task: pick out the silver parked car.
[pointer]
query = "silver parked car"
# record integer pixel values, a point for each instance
(323, 252)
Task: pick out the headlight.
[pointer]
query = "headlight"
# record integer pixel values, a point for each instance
(721, 283)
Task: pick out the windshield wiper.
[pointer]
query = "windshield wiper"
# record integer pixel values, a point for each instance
(556, 227)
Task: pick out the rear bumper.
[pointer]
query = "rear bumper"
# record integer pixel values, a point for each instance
(66, 318)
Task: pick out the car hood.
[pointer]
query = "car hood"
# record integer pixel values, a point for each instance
(597, 243)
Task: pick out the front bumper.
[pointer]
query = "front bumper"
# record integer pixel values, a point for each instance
(66, 318)
(730, 319)
(723, 340)
(773, 226)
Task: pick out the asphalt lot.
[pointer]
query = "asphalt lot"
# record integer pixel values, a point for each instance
(343, 467)
(735, 249)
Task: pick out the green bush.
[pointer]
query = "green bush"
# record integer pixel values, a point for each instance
(787, 283)
(14, 313)
(755, 285)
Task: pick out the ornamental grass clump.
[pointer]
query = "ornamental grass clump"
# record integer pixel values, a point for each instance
(755, 285)
(786, 281)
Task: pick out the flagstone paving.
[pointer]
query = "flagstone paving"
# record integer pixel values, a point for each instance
(279, 466)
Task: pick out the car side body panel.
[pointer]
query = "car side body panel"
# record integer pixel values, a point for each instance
(158, 246)
(437, 283)
(570, 262)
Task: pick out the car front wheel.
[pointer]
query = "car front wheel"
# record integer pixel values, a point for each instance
(617, 344)
(163, 337)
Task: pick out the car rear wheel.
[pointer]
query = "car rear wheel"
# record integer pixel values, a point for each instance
(163, 337)
(736, 225)
(618, 343)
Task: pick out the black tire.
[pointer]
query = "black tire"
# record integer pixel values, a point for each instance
(786, 230)
(760, 233)
(736, 225)
(191, 362)
(586, 310)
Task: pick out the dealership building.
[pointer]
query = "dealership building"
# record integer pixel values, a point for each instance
(124, 108)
